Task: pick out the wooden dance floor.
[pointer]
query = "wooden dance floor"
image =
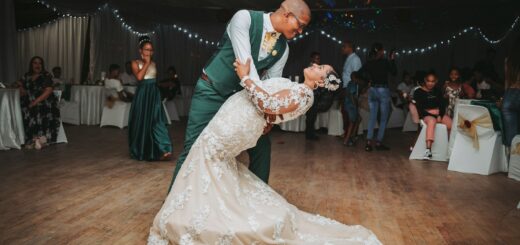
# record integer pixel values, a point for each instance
(90, 192)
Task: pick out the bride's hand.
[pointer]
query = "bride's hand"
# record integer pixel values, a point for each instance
(241, 69)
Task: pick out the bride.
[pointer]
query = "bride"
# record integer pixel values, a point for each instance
(217, 200)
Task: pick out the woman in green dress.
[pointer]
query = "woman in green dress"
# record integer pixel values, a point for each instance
(147, 133)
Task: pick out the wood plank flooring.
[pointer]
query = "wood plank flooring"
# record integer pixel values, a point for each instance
(90, 192)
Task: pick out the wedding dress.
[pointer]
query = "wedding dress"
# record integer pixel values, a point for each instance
(217, 200)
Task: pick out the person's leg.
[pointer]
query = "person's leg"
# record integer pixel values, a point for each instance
(260, 158)
(204, 105)
(446, 120)
(373, 105)
(430, 130)
(353, 117)
(510, 113)
(384, 100)
(310, 120)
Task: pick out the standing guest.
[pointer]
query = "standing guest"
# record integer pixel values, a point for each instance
(353, 117)
(171, 86)
(350, 91)
(455, 89)
(57, 82)
(147, 133)
(128, 77)
(431, 107)
(114, 86)
(377, 71)
(41, 115)
(511, 102)
(312, 113)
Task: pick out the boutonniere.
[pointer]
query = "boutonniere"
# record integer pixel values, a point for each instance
(274, 53)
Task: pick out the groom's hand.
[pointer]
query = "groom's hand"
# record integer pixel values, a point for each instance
(267, 128)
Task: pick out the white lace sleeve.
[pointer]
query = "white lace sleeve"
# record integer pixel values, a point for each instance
(280, 102)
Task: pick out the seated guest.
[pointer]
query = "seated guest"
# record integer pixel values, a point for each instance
(455, 89)
(171, 86)
(115, 88)
(57, 83)
(351, 105)
(128, 77)
(41, 115)
(483, 86)
(466, 75)
(431, 108)
(404, 88)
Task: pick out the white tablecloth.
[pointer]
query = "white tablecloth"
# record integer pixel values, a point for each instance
(11, 123)
(90, 100)
(331, 119)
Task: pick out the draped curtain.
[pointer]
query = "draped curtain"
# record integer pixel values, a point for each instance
(110, 43)
(8, 43)
(61, 43)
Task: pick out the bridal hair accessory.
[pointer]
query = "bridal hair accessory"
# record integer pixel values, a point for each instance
(331, 82)
(143, 41)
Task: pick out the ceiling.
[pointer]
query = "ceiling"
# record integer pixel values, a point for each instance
(422, 14)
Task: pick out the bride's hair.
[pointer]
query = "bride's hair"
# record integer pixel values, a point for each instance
(144, 40)
(332, 80)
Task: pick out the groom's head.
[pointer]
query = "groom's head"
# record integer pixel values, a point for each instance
(291, 18)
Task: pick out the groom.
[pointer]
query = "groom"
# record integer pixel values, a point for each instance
(250, 34)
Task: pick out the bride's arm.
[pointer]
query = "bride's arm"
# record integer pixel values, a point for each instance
(281, 102)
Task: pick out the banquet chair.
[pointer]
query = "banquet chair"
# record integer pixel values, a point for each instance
(171, 109)
(409, 124)
(69, 110)
(335, 120)
(480, 151)
(439, 146)
(397, 117)
(514, 160)
(117, 115)
(62, 137)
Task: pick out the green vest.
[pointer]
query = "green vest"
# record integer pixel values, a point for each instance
(220, 68)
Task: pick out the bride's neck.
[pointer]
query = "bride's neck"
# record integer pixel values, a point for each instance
(309, 83)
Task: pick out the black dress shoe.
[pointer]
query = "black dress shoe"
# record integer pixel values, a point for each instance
(368, 147)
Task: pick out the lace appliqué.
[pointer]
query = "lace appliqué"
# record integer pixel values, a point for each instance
(177, 203)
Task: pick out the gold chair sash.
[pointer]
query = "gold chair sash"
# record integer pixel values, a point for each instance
(469, 128)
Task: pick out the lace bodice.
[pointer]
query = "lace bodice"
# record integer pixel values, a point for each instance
(151, 73)
(280, 96)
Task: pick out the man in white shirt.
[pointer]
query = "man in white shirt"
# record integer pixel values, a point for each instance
(114, 87)
(350, 90)
(253, 35)
(128, 77)
(57, 82)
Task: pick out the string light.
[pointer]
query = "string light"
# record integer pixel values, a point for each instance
(431, 47)
(334, 39)
(121, 20)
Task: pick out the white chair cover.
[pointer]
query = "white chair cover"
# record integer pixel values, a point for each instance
(62, 137)
(117, 115)
(489, 158)
(514, 160)
(12, 134)
(171, 110)
(439, 147)
(397, 117)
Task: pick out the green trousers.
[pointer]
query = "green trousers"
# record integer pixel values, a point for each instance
(205, 104)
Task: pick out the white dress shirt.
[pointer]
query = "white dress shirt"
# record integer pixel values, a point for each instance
(113, 87)
(238, 32)
(352, 64)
